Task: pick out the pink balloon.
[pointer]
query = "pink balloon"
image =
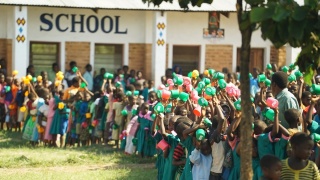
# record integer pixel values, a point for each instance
(170, 81)
(189, 88)
(272, 102)
(194, 93)
(186, 81)
(161, 87)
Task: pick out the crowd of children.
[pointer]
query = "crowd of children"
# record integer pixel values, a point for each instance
(191, 123)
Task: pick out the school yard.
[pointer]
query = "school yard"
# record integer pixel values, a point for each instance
(19, 160)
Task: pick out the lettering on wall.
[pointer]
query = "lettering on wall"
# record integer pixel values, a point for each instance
(80, 23)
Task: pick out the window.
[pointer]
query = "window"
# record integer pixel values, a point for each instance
(43, 55)
(108, 56)
(187, 57)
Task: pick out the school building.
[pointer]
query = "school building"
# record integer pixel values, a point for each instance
(112, 33)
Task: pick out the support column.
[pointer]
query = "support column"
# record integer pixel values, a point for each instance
(92, 51)
(159, 46)
(63, 56)
(291, 54)
(266, 57)
(202, 58)
(170, 55)
(126, 54)
(20, 44)
(234, 58)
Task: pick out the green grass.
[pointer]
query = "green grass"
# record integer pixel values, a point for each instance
(19, 160)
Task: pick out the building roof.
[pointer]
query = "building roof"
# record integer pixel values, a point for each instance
(216, 5)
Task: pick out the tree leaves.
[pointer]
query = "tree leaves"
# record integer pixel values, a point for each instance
(299, 13)
(280, 13)
(260, 14)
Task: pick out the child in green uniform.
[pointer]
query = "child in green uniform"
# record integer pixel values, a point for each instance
(146, 143)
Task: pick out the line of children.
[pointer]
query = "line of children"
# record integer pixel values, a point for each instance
(192, 124)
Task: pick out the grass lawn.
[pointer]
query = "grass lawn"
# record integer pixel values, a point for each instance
(19, 160)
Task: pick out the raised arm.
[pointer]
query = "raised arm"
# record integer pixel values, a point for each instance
(308, 119)
(275, 128)
(235, 123)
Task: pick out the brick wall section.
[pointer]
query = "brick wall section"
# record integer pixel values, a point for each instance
(140, 58)
(148, 62)
(79, 52)
(218, 57)
(278, 56)
(9, 56)
(6, 53)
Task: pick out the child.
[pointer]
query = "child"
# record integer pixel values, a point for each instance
(60, 119)
(131, 133)
(271, 167)
(201, 159)
(31, 132)
(168, 169)
(131, 106)
(2, 97)
(146, 143)
(298, 166)
(152, 100)
(118, 120)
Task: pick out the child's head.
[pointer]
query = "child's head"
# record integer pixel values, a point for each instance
(208, 112)
(120, 96)
(152, 96)
(2, 78)
(172, 120)
(294, 89)
(76, 82)
(144, 108)
(32, 97)
(226, 110)
(9, 81)
(302, 145)
(306, 98)
(150, 84)
(183, 111)
(271, 167)
(130, 88)
(259, 127)
(132, 100)
(269, 94)
(292, 116)
(205, 147)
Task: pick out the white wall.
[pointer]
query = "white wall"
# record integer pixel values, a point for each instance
(133, 21)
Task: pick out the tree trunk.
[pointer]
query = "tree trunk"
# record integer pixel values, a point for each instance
(246, 120)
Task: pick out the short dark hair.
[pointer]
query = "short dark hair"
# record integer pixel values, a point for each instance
(54, 64)
(305, 94)
(269, 161)
(299, 138)
(88, 65)
(291, 115)
(75, 80)
(280, 79)
(72, 63)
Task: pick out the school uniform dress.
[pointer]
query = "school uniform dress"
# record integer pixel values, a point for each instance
(280, 145)
(187, 171)
(60, 119)
(31, 131)
(235, 171)
(146, 143)
(160, 162)
(169, 169)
